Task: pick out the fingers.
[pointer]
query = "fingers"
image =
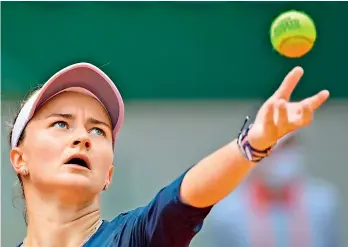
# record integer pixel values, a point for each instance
(307, 116)
(308, 106)
(270, 114)
(276, 114)
(317, 100)
(304, 118)
(286, 120)
(282, 113)
(289, 83)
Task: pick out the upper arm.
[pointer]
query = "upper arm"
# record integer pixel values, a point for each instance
(167, 221)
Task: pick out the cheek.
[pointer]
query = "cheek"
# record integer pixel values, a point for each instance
(44, 150)
(103, 158)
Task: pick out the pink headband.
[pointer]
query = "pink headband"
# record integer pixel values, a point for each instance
(81, 77)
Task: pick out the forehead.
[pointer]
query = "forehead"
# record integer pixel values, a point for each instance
(70, 103)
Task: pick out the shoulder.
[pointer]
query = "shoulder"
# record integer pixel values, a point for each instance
(126, 218)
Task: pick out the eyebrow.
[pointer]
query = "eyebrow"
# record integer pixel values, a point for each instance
(71, 116)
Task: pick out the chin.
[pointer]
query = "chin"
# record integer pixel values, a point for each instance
(75, 181)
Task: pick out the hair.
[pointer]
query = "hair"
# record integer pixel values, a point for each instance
(20, 140)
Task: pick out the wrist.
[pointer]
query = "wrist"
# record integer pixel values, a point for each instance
(257, 140)
(251, 145)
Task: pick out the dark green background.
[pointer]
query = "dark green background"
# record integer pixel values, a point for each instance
(170, 49)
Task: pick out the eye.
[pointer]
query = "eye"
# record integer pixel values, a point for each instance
(60, 125)
(98, 131)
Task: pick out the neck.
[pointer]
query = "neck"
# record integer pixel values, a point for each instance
(60, 221)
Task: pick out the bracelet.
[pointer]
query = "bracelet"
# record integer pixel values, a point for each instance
(250, 153)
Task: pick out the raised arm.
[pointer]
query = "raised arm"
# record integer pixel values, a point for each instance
(218, 174)
(178, 211)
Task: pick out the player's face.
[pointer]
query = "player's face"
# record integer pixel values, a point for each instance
(69, 124)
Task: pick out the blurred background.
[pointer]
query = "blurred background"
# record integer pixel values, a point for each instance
(190, 72)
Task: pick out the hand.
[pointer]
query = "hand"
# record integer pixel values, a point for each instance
(278, 117)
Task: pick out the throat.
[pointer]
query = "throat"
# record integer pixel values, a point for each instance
(72, 234)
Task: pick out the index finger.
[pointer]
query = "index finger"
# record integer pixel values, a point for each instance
(289, 83)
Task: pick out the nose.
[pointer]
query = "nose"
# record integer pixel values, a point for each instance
(82, 142)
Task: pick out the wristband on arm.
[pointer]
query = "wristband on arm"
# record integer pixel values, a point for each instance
(249, 152)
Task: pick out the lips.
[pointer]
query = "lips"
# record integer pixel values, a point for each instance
(79, 160)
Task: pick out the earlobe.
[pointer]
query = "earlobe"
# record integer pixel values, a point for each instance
(105, 188)
(24, 171)
(17, 161)
(108, 179)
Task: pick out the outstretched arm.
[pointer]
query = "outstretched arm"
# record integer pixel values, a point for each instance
(217, 175)
(177, 212)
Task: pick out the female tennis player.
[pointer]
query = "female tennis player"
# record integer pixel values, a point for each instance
(63, 149)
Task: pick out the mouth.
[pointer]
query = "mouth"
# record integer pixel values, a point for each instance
(79, 160)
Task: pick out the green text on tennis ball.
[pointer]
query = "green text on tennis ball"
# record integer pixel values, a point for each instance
(293, 34)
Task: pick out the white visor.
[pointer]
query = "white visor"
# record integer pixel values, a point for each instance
(82, 77)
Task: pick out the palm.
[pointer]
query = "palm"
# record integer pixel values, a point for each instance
(278, 117)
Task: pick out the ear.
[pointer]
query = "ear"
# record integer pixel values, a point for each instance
(109, 178)
(17, 161)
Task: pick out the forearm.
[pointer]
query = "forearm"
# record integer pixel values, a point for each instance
(214, 177)
(217, 175)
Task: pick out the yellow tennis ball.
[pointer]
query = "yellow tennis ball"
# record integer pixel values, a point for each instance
(293, 34)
